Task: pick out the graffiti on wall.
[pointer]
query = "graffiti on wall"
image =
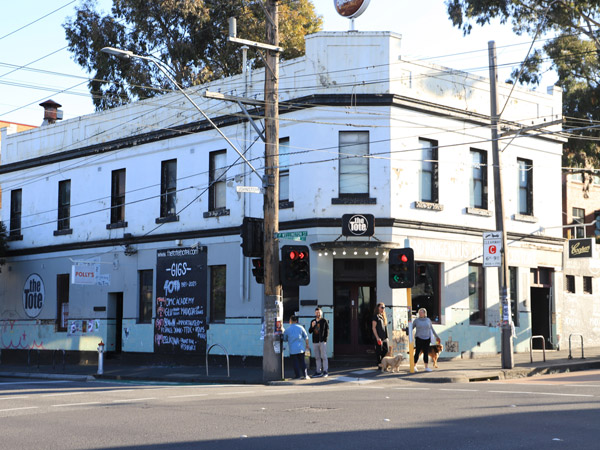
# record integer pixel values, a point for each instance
(16, 336)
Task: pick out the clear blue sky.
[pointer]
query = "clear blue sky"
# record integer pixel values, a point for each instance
(426, 34)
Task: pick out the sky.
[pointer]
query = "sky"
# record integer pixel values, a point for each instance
(36, 66)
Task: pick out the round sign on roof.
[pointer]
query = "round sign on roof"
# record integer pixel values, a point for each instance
(350, 8)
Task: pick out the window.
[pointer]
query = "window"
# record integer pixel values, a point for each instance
(479, 186)
(426, 291)
(15, 212)
(354, 163)
(476, 295)
(525, 200)
(168, 188)
(64, 205)
(117, 197)
(429, 171)
(217, 189)
(218, 293)
(587, 285)
(570, 284)
(579, 217)
(513, 289)
(284, 169)
(146, 296)
(62, 301)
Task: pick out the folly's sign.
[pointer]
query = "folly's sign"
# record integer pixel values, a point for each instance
(580, 248)
(350, 8)
(358, 225)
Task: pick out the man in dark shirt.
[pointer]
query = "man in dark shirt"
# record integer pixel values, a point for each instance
(319, 328)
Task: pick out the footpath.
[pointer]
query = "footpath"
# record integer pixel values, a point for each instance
(454, 370)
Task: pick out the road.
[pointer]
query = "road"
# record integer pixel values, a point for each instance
(559, 411)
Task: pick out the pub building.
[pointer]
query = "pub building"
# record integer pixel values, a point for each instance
(375, 153)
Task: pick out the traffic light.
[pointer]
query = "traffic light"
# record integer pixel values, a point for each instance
(252, 233)
(402, 268)
(295, 265)
(258, 270)
(597, 225)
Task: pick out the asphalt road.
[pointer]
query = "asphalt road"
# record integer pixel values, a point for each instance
(560, 411)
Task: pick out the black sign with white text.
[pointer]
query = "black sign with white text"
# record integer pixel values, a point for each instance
(358, 225)
(580, 248)
(180, 324)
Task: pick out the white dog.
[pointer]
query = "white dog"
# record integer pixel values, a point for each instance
(391, 362)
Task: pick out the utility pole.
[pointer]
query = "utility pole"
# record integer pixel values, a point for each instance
(506, 338)
(273, 304)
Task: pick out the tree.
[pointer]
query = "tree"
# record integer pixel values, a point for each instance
(189, 36)
(573, 51)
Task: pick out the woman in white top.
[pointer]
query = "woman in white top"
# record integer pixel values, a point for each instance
(424, 328)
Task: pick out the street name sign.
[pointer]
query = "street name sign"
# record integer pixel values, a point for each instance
(292, 235)
(249, 189)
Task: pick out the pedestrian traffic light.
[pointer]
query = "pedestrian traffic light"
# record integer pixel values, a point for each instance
(597, 225)
(258, 270)
(295, 265)
(402, 268)
(252, 233)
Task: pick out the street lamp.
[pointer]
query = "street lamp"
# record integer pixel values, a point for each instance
(127, 54)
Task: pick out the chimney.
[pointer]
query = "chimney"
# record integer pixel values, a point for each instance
(51, 112)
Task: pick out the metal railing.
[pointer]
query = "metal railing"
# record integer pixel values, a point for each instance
(54, 359)
(581, 336)
(29, 356)
(226, 355)
(531, 346)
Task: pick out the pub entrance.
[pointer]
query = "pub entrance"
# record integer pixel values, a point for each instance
(354, 300)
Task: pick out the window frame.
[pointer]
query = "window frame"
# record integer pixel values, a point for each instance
(479, 270)
(588, 285)
(218, 293)
(145, 296)
(64, 205)
(483, 179)
(284, 168)
(216, 181)
(578, 232)
(168, 188)
(117, 196)
(429, 165)
(570, 284)
(525, 187)
(344, 162)
(428, 272)
(16, 212)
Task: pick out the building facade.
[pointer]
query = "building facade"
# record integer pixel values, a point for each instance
(119, 206)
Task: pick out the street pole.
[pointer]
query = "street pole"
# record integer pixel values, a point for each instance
(411, 346)
(273, 299)
(506, 337)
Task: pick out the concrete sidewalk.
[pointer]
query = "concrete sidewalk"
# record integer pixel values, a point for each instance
(450, 371)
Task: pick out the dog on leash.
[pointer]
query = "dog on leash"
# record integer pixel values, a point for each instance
(392, 363)
(434, 353)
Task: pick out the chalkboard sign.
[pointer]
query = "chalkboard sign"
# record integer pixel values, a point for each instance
(180, 324)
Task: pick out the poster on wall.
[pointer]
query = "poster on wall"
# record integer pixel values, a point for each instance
(181, 289)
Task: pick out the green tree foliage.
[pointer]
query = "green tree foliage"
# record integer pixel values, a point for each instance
(189, 36)
(572, 50)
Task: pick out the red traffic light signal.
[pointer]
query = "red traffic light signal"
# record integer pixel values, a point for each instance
(295, 265)
(258, 270)
(402, 268)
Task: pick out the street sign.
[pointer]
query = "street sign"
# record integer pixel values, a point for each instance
(250, 189)
(492, 249)
(292, 235)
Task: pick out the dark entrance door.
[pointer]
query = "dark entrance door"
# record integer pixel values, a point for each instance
(115, 312)
(540, 316)
(354, 299)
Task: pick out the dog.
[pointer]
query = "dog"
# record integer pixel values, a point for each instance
(434, 353)
(392, 363)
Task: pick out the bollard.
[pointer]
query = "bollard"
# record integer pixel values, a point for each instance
(100, 358)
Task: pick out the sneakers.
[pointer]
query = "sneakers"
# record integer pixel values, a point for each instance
(306, 377)
(325, 374)
(427, 369)
(318, 374)
(416, 370)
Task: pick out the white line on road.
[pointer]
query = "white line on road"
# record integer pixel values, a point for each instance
(60, 394)
(189, 395)
(460, 390)
(541, 393)
(133, 400)
(77, 404)
(18, 409)
(11, 398)
(236, 393)
(35, 382)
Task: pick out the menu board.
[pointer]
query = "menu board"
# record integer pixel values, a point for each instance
(180, 324)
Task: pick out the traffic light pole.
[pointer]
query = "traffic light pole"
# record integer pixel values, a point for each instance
(272, 367)
(411, 345)
(506, 337)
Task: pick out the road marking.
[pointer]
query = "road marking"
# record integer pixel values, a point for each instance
(35, 382)
(236, 393)
(189, 395)
(61, 394)
(460, 390)
(11, 398)
(133, 400)
(118, 391)
(412, 389)
(541, 393)
(18, 409)
(354, 380)
(77, 404)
